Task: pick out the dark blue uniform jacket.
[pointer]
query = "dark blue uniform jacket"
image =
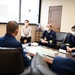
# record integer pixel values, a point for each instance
(63, 66)
(50, 37)
(10, 41)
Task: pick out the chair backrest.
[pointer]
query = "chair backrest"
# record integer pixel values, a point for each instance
(61, 36)
(40, 67)
(11, 61)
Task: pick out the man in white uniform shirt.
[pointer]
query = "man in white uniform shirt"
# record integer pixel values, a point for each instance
(26, 33)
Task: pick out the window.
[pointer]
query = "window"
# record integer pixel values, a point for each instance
(9, 10)
(14, 10)
(30, 10)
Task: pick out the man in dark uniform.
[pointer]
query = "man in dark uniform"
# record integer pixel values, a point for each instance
(70, 45)
(63, 66)
(9, 40)
(49, 37)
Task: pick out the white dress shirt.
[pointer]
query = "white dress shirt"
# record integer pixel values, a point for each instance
(26, 31)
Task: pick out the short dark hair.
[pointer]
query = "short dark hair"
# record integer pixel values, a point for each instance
(73, 27)
(27, 21)
(11, 26)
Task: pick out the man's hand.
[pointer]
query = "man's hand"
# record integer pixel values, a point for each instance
(73, 48)
(27, 36)
(43, 41)
(28, 56)
(69, 49)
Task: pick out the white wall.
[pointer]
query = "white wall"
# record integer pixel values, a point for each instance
(68, 13)
(3, 31)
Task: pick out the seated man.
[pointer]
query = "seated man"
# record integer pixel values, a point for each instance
(26, 33)
(63, 66)
(70, 45)
(9, 40)
(49, 37)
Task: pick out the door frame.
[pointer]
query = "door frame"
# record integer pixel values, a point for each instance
(49, 14)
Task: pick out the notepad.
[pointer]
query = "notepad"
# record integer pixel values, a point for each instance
(62, 50)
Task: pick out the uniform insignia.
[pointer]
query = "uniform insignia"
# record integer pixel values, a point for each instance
(50, 41)
(67, 44)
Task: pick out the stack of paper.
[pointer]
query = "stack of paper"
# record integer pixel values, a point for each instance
(45, 51)
(62, 51)
(31, 49)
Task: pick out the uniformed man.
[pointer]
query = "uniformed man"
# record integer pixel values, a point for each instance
(49, 37)
(70, 45)
(9, 40)
(63, 66)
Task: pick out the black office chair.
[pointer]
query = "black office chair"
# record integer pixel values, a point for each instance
(11, 62)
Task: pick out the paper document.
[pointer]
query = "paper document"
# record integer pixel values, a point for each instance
(62, 51)
(34, 44)
(45, 51)
(31, 49)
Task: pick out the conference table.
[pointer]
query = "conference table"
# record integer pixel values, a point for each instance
(47, 53)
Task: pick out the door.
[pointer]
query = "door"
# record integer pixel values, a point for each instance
(54, 17)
